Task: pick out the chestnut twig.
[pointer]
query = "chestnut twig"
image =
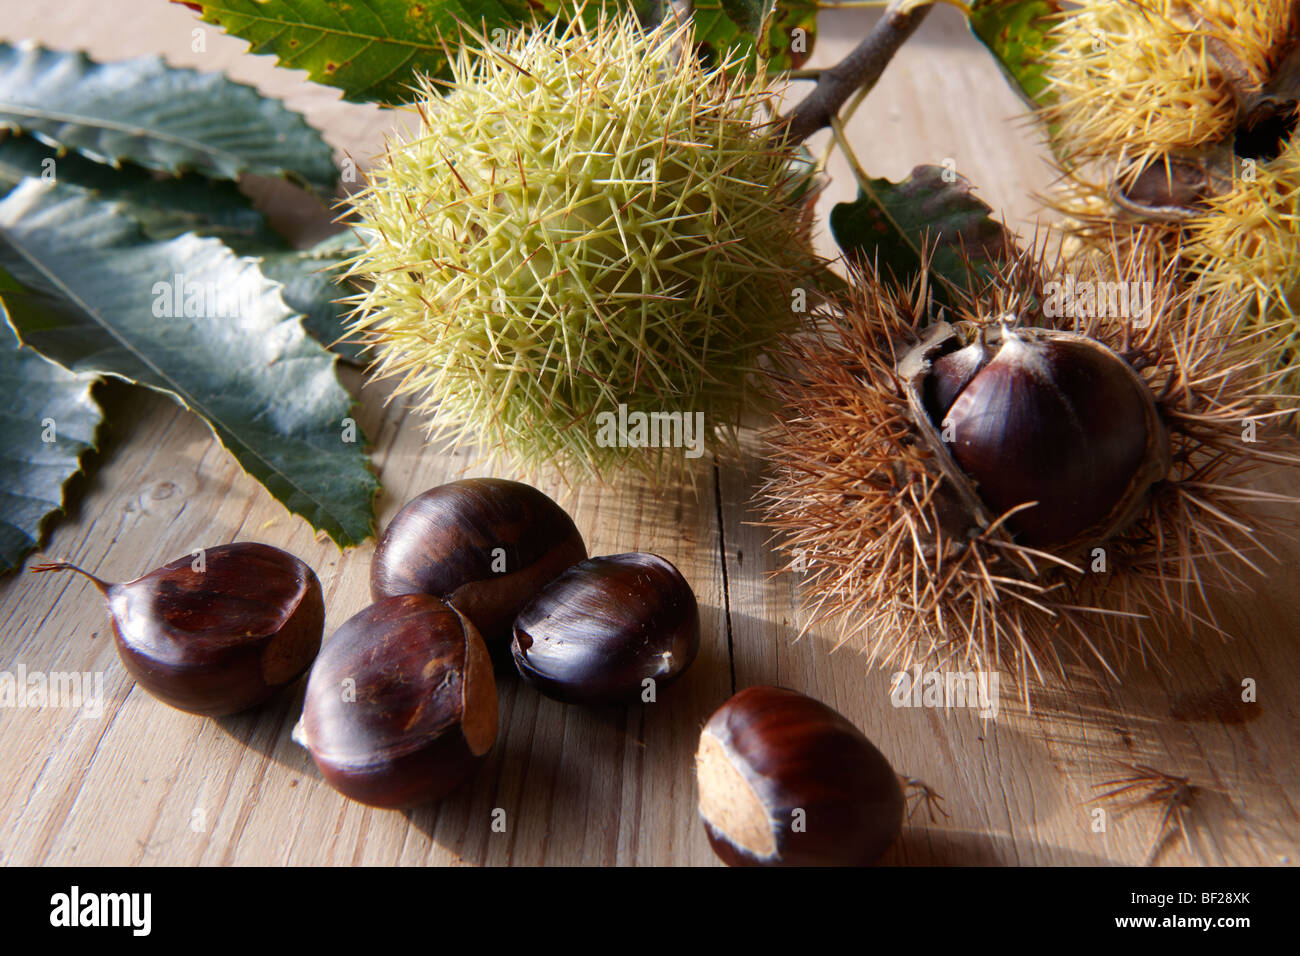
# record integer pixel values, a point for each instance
(859, 70)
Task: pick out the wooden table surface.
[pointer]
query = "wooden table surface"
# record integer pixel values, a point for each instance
(144, 784)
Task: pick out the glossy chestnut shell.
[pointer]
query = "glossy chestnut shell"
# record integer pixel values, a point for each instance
(1051, 420)
(401, 704)
(220, 635)
(486, 545)
(605, 626)
(786, 781)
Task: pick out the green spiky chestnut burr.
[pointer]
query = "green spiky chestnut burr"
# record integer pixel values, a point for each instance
(589, 218)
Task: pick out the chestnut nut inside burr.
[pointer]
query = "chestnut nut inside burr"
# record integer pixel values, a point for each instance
(219, 631)
(1049, 419)
(605, 626)
(486, 545)
(784, 780)
(401, 704)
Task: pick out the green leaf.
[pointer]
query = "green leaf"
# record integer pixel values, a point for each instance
(935, 209)
(157, 116)
(790, 34)
(1016, 33)
(651, 13)
(370, 49)
(49, 421)
(748, 15)
(719, 29)
(189, 318)
(754, 29)
(311, 287)
(165, 206)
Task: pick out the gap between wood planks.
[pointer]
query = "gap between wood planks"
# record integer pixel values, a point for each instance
(726, 584)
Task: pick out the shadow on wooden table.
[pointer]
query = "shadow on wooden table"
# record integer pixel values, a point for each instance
(950, 846)
(1177, 728)
(538, 783)
(266, 730)
(1181, 735)
(1185, 737)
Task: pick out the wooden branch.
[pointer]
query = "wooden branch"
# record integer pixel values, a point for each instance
(861, 68)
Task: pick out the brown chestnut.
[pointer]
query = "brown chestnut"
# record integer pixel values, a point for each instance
(219, 631)
(486, 545)
(1047, 419)
(786, 781)
(401, 704)
(604, 627)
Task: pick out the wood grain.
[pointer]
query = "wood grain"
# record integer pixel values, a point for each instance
(143, 784)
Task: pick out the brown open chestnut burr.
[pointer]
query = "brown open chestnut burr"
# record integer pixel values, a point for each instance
(786, 781)
(218, 632)
(401, 704)
(605, 626)
(486, 545)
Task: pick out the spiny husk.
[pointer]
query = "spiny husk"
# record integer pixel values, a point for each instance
(1250, 239)
(1135, 79)
(590, 217)
(852, 496)
(1140, 83)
